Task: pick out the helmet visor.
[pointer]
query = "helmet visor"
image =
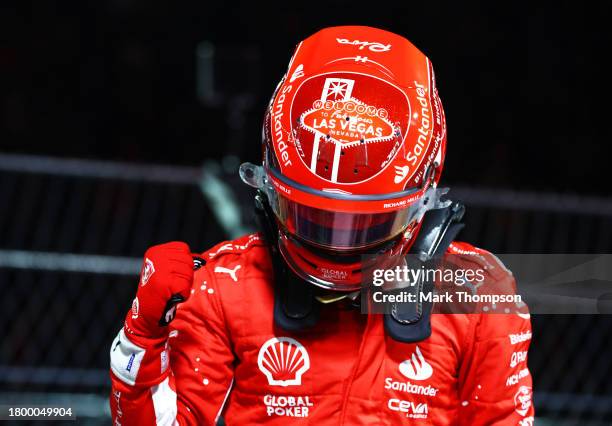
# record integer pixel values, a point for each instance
(342, 230)
(340, 221)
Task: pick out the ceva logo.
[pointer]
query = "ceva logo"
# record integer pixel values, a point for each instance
(416, 367)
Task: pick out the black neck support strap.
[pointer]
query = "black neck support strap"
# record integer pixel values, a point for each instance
(410, 322)
(295, 306)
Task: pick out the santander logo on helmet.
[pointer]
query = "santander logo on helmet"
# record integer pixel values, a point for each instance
(360, 120)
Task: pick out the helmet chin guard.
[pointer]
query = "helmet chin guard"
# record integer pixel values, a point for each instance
(343, 272)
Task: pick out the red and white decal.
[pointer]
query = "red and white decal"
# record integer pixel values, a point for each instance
(148, 269)
(339, 127)
(522, 400)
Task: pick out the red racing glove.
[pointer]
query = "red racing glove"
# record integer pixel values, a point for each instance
(165, 281)
(139, 353)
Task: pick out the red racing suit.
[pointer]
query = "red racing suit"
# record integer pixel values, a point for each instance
(225, 357)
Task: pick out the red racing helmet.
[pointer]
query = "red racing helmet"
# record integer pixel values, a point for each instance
(354, 141)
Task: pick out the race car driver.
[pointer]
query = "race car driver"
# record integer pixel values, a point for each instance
(274, 327)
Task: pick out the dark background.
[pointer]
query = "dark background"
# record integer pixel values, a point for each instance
(524, 91)
(520, 83)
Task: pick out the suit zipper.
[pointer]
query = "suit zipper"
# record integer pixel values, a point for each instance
(349, 385)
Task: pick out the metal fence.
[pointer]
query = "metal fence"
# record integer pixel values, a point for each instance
(72, 233)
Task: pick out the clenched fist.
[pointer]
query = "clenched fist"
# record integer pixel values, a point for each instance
(165, 281)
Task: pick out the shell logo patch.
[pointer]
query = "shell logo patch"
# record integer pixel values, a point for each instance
(283, 361)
